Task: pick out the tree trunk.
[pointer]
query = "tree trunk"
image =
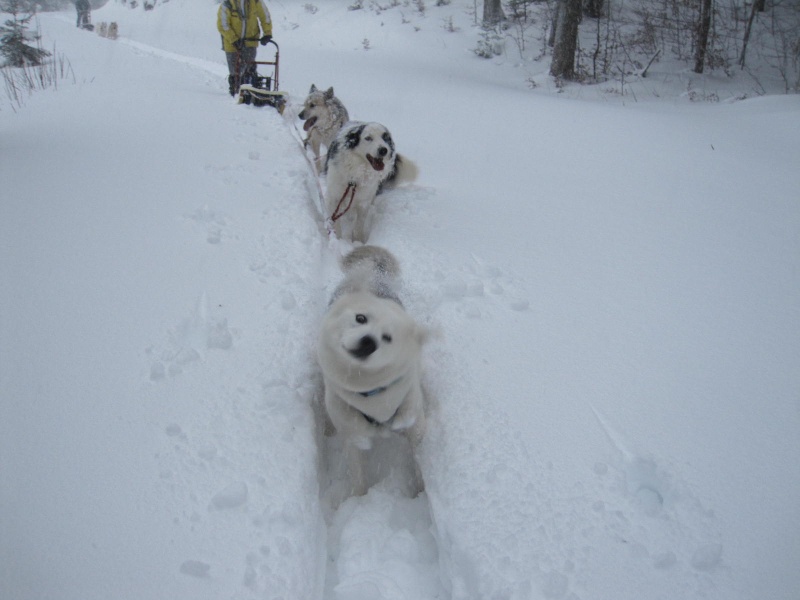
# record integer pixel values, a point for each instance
(594, 8)
(748, 28)
(566, 39)
(703, 31)
(492, 12)
(551, 39)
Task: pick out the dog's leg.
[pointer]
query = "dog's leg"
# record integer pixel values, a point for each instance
(315, 143)
(349, 422)
(410, 417)
(332, 204)
(415, 433)
(410, 420)
(359, 230)
(355, 469)
(357, 435)
(337, 228)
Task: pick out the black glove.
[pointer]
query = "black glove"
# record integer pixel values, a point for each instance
(238, 44)
(265, 40)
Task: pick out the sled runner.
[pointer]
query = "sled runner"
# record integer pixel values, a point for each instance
(260, 90)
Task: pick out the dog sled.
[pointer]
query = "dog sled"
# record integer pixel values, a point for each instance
(262, 90)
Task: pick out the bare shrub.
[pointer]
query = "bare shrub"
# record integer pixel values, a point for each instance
(21, 82)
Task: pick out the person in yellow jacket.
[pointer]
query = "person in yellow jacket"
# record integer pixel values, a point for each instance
(238, 23)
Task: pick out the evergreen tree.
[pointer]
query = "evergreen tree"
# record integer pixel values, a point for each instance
(14, 37)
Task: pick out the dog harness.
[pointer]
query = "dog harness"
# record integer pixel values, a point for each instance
(373, 421)
(378, 390)
(375, 392)
(351, 188)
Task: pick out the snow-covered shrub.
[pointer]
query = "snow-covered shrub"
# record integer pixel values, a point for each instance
(490, 43)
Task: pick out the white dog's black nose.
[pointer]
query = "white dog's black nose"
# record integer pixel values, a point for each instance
(366, 346)
(383, 151)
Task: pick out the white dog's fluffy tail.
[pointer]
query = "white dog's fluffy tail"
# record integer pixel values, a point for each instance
(374, 259)
(406, 171)
(373, 269)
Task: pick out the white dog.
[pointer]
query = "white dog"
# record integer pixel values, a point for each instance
(369, 351)
(324, 115)
(361, 161)
(108, 30)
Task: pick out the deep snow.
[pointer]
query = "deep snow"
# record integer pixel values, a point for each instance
(614, 381)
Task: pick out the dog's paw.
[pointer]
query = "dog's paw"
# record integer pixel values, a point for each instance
(402, 422)
(362, 442)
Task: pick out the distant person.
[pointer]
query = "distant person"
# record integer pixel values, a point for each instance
(238, 23)
(83, 8)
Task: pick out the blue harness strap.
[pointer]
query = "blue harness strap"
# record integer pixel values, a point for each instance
(375, 392)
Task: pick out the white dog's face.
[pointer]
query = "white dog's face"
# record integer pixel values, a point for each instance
(368, 341)
(374, 142)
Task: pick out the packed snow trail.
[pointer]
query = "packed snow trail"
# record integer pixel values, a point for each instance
(381, 545)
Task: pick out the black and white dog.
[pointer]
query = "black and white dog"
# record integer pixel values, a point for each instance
(361, 162)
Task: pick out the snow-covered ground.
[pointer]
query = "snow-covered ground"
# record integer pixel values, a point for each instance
(614, 379)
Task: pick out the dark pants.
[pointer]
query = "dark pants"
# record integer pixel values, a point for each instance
(246, 56)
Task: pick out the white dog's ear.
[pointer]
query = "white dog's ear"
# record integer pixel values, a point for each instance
(329, 93)
(422, 334)
(313, 89)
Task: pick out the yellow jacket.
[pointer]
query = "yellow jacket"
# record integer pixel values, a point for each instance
(239, 19)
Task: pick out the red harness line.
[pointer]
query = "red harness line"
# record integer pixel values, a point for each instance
(351, 187)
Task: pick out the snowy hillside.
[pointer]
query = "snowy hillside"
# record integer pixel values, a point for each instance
(614, 375)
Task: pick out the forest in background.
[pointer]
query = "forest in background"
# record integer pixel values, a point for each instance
(598, 41)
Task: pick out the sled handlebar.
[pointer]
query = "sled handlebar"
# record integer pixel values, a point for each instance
(258, 39)
(272, 63)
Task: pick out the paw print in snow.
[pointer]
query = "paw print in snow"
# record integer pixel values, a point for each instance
(480, 285)
(215, 225)
(650, 508)
(189, 342)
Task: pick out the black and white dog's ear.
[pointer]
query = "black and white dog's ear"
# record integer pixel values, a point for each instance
(387, 137)
(353, 137)
(333, 150)
(328, 93)
(313, 89)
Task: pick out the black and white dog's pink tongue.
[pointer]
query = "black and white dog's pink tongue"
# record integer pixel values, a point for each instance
(309, 124)
(376, 163)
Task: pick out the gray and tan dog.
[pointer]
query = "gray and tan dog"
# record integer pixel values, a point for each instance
(324, 116)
